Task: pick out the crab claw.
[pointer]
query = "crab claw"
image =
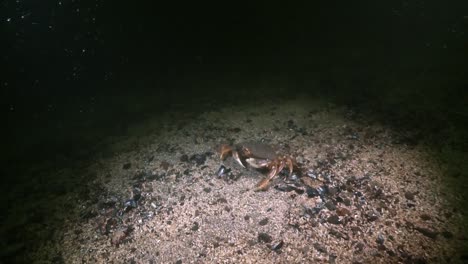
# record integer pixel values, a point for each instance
(225, 151)
(257, 163)
(236, 157)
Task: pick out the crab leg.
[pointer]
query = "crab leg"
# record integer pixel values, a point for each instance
(265, 182)
(273, 172)
(290, 165)
(278, 169)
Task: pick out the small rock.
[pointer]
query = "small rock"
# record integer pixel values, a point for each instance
(356, 229)
(425, 217)
(372, 216)
(165, 165)
(184, 158)
(305, 250)
(427, 232)
(199, 159)
(338, 234)
(108, 225)
(221, 200)
(136, 194)
(447, 234)
(311, 174)
(330, 205)
(222, 171)
(334, 219)
(263, 222)
(109, 202)
(313, 192)
(129, 205)
(347, 201)
(409, 196)
(277, 245)
(195, 226)
(332, 191)
(320, 248)
(264, 237)
(313, 210)
(119, 236)
(359, 246)
(335, 233)
(342, 211)
(207, 189)
(380, 239)
(283, 187)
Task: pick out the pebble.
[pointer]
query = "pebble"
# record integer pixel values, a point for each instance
(277, 245)
(359, 246)
(338, 234)
(409, 196)
(263, 222)
(184, 158)
(425, 217)
(283, 187)
(264, 237)
(165, 165)
(320, 248)
(330, 205)
(447, 234)
(222, 171)
(131, 203)
(380, 239)
(311, 174)
(195, 226)
(199, 159)
(312, 192)
(427, 232)
(334, 219)
(120, 235)
(342, 211)
(372, 216)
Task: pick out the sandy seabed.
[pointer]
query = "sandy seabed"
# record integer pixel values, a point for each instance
(160, 200)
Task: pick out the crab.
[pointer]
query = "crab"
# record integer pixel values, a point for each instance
(259, 156)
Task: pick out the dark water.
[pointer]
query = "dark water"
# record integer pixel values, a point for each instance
(77, 73)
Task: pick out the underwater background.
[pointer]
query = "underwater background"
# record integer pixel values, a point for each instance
(113, 111)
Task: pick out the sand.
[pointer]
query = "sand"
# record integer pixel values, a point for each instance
(386, 203)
